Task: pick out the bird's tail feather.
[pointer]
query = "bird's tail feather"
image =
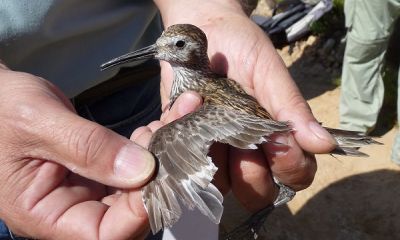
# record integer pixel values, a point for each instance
(349, 142)
(162, 204)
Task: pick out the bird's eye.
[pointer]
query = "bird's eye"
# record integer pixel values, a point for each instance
(180, 43)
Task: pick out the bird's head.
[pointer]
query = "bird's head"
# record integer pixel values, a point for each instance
(180, 45)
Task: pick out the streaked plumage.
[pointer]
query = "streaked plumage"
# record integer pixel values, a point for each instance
(228, 115)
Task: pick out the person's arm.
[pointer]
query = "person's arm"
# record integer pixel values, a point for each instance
(240, 49)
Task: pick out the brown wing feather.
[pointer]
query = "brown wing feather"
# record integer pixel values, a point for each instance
(185, 171)
(229, 116)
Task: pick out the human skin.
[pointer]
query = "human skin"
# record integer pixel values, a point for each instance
(59, 176)
(58, 173)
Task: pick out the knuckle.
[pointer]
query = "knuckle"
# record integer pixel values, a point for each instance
(87, 142)
(19, 127)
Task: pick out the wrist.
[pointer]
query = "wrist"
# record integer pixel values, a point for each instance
(198, 12)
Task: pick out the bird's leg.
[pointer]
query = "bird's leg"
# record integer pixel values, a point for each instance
(250, 228)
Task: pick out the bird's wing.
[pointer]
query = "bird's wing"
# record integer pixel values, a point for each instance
(185, 172)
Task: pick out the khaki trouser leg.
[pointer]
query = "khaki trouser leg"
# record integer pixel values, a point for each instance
(396, 145)
(370, 24)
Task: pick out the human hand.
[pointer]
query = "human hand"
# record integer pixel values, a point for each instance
(184, 104)
(61, 176)
(240, 49)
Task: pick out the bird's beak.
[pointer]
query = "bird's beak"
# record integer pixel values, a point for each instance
(144, 53)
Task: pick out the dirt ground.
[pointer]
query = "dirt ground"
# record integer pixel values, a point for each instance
(350, 198)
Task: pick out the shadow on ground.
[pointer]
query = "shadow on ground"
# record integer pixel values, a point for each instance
(364, 206)
(318, 68)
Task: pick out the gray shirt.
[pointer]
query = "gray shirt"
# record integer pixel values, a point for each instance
(65, 41)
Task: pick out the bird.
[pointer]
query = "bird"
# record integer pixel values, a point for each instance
(228, 115)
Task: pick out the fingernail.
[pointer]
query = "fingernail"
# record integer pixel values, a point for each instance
(281, 144)
(321, 133)
(134, 164)
(281, 139)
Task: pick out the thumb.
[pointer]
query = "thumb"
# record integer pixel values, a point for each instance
(289, 105)
(310, 135)
(95, 152)
(37, 123)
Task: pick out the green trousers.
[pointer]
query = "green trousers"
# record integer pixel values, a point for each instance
(370, 24)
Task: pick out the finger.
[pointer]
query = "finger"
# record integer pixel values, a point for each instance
(155, 125)
(71, 210)
(251, 180)
(89, 149)
(144, 138)
(271, 77)
(130, 215)
(60, 196)
(139, 131)
(109, 200)
(95, 220)
(289, 163)
(184, 104)
(142, 135)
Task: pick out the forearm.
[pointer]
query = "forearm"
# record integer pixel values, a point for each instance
(200, 12)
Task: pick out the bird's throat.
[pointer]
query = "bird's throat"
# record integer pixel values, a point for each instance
(187, 79)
